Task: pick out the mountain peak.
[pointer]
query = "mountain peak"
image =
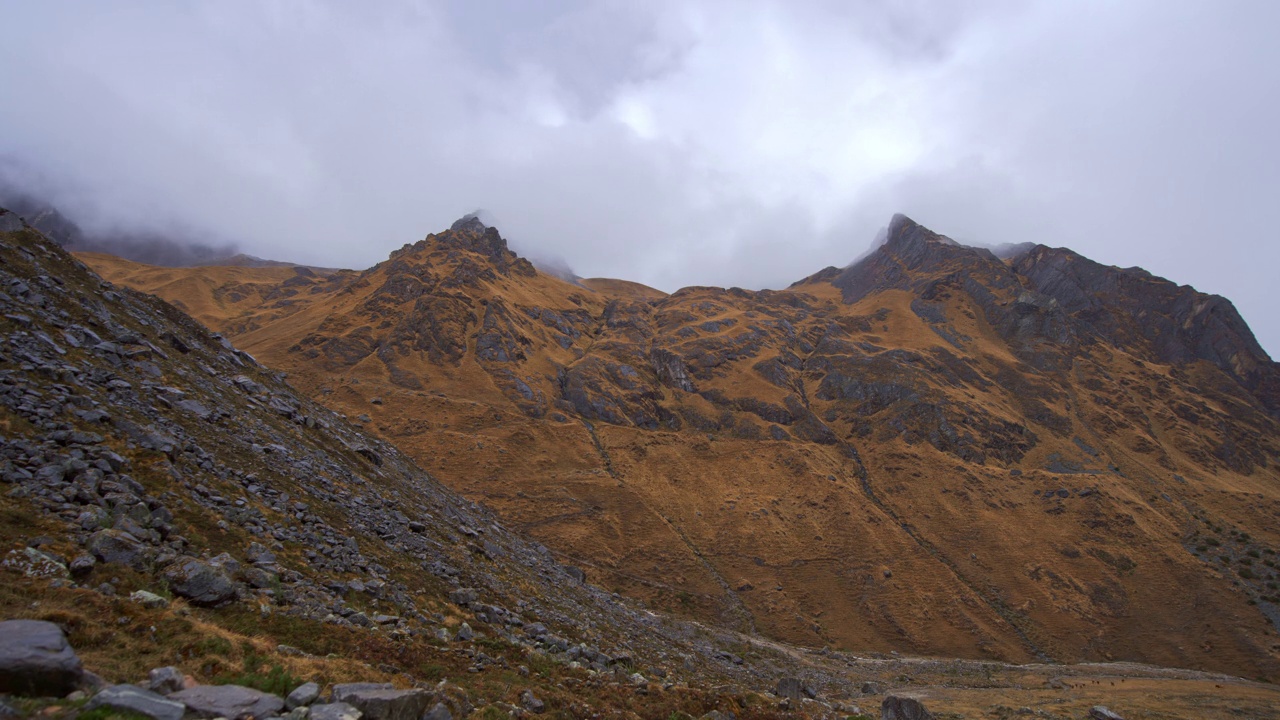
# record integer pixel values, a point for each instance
(470, 222)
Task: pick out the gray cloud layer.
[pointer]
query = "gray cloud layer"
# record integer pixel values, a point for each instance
(743, 143)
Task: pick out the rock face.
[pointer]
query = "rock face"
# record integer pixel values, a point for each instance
(35, 659)
(228, 701)
(896, 707)
(134, 699)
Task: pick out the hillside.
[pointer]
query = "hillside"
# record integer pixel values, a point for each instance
(936, 450)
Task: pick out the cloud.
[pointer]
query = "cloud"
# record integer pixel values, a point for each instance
(747, 143)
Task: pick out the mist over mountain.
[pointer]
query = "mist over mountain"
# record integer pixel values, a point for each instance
(146, 246)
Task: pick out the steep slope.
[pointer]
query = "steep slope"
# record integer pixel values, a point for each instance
(936, 449)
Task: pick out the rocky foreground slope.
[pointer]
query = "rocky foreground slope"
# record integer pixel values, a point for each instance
(183, 535)
(1021, 457)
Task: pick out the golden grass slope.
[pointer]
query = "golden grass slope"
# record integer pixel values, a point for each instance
(890, 474)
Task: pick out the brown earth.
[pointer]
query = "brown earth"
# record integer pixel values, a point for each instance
(934, 451)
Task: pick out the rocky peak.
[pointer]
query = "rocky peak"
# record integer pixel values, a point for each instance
(909, 251)
(470, 222)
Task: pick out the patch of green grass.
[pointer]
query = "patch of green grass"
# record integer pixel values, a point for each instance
(107, 713)
(255, 674)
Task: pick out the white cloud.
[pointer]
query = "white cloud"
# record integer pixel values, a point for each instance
(746, 143)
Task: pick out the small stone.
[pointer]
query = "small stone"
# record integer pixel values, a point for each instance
(870, 688)
(148, 600)
(1099, 712)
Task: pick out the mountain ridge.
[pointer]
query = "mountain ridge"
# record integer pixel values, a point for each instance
(999, 447)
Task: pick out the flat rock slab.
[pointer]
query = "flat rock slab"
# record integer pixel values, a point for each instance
(36, 660)
(333, 711)
(228, 701)
(388, 704)
(338, 693)
(135, 699)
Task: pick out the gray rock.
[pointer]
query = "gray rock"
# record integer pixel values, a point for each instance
(82, 565)
(531, 702)
(465, 633)
(148, 600)
(338, 693)
(793, 688)
(165, 680)
(1098, 712)
(135, 699)
(871, 688)
(304, 694)
(119, 547)
(228, 701)
(200, 582)
(463, 596)
(895, 707)
(439, 712)
(333, 711)
(36, 660)
(388, 704)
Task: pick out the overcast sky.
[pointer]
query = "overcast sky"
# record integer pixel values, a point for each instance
(715, 143)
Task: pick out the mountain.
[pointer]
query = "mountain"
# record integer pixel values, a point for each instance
(154, 248)
(935, 450)
(170, 500)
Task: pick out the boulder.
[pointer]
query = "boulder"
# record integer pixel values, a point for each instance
(531, 702)
(896, 707)
(333, 711)
(1098, 712)
(166, 680)
(388, 704)
(36, 660)
(463, 596)
(793, 688)
(119, 547)
(228, 701)
(136, 700)
(200, 582)
(304, 694)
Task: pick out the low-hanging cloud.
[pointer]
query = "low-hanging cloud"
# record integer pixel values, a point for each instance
(673, 143)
